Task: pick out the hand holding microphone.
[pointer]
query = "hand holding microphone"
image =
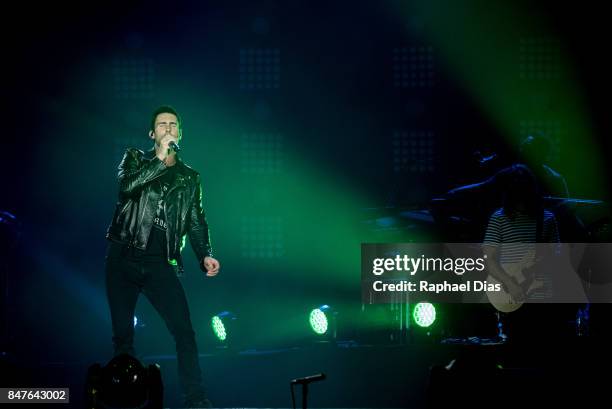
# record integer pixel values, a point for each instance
(169, 147)
(170, 144)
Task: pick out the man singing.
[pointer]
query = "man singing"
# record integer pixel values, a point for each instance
(160, 202)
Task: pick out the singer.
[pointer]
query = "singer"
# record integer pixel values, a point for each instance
(160, 202)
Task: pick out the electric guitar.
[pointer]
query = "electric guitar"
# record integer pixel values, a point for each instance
(502, 300)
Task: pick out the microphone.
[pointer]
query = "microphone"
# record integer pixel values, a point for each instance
(174, 146)
(307, 379)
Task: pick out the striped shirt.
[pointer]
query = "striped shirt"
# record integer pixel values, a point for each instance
(517, 236)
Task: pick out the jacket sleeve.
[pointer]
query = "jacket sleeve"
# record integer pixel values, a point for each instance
(135, 173)
(199, 235)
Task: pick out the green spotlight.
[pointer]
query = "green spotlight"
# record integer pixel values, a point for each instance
(424, 314)
(218, 328)
(219, 324)
(319, 321)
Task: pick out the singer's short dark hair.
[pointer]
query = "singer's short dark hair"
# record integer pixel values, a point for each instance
(165, 109)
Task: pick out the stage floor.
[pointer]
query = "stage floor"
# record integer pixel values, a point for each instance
(362, 376)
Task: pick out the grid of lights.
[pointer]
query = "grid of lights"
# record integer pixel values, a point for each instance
(259, 68)
(262, 237)
(539, 58)
(413, 67)
(413, 151)
(133, 78)
(261, 153)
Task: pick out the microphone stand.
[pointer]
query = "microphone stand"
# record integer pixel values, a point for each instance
(304, 395)
(304, 382)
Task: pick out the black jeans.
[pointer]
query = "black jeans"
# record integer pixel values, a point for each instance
(126, 277)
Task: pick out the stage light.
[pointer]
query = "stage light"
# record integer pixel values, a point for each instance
(424, 314)
(221, 325)
(138, 322)
(219, 328)
(124, 382)
(320, 319)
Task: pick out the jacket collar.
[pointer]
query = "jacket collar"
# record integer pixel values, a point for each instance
(150, 154)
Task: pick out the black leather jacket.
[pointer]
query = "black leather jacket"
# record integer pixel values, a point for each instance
(138, 196)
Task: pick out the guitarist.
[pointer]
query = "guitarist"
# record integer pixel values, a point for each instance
(514, 229)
